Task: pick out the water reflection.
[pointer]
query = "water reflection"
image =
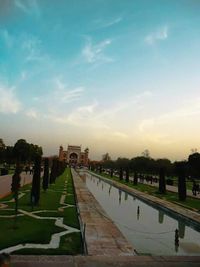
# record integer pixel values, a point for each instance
(138, 213)
(149, 229)
(110, 189)
(125, 196)
(160, 216)
(181, 229)
(120, 196)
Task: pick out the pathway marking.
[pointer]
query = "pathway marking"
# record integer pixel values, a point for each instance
(55, 238)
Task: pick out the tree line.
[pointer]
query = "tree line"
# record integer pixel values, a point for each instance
(22, 151)
(146, 165)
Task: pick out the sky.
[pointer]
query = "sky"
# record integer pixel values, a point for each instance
(114, 76)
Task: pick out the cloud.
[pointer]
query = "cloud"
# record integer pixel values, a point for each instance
(95, 52)
(7, 38)
(32, 113)
(159, 35)
(28, 6)
(32, 47)
(108, 23)
(9, 102)
(63, 94)
(164, 129)
(120, 135)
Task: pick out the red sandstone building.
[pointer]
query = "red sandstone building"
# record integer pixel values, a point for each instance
(73, 155)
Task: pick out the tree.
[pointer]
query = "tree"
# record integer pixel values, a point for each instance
(16, 185)
(194, 165)
(45, 182)
(181, 172)
(53, 171)
(135, 180)
(2, 149)
(127, 175)
(121, 174)
(106, 157)
(35, 190)
(162, 183)
(21, 150)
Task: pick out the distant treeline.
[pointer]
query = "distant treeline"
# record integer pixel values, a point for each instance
(22, 151)
(148, 165)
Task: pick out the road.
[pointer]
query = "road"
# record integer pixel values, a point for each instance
(6, 180)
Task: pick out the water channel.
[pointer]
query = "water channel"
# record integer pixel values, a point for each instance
(149, 229)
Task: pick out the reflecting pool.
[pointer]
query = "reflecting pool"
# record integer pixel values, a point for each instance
(149, 229)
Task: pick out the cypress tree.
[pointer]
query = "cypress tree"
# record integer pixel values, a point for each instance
(127, 175)
(35, 190)
(53, 172)
(135, 179)
(100, 169)
(46, 174)
(111, 172)
(121, 174)
(180, 169)
(16, 185)
(162, 183)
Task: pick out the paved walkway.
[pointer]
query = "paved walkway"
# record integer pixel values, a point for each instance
(6, 180)
(103, 261)
(102, 235)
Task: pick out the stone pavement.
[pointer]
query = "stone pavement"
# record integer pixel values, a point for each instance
(6, 180)
(104, 261)
(102, 235)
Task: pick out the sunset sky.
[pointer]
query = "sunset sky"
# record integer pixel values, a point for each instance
(117, 76)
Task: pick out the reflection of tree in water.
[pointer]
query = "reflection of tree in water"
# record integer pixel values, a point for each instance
(134, 198)
(181, 229)
(110, 189)
(120, 196)
(102, 186)
(160, 216)
(138, 213)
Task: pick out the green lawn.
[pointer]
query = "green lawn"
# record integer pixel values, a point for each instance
(190, 203)
(31, 230)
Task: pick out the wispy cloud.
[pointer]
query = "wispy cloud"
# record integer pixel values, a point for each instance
(32, 113)
(163, 128)
(28, 6)
(108, 23)
(159, 35)
(64, 94)
(32, 47)
(9, 102)
(7, 38)
(93, 53)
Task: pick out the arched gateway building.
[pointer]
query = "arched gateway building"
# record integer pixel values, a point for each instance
(73, 155)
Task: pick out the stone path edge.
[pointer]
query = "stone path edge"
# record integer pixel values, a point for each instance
(190, 216)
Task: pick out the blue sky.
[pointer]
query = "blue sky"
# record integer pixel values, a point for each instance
(116, 76)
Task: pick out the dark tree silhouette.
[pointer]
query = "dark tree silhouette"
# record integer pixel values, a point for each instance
(181, 172)
(53, 171)
(111, 172)
(135, 180)
(127, 175)
(121, 174)
(194, 165)
(46, 174)
(35, 190)
(162, 183)
(16, 185)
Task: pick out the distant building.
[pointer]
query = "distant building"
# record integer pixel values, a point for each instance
(73, 155)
